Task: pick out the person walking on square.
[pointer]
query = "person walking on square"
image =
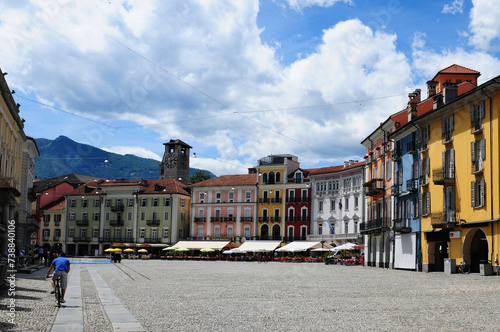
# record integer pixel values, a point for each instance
(61, 267)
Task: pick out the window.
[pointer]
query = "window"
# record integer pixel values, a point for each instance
(332, 205)
(95, 233)
(416, 208)
(217, 197)
(478, 154)
(57, 234)
(85, 216)
(84, 203)
(108, 202)
(477, 193)
(106, 234)
(71, 232)
(129, 216)
(346, 230)
(165, 233)
(476, 116)
(144, 202)
(143, 215)
(154, 234)
(200, 230)
(107, 216)
(231, 196)
(423, 169)
(388, 169)
(264, 178)
(183, 216)
(447, 128)
(95, 216)
(217, 213)
(166, 215)
(166, 201)
(129, 234)
(248, 196)
(230, 212)
(96, 202)
(72, 203)
(449, 164)
(130, 202)
(155, 201)
(346, 202)
(278, 177)
(142, 232)
(248, 212)
(46, 219)
(356, 203)
(202, 197)
(57, 219)
(229, 231)
(320, 228)
(320, 206)
(155, 216)
(298, 177)
(83, 232)
(423, 137)
(246, 232)
(449, 204)
(46, 234)
(183, 202)
(217, 231)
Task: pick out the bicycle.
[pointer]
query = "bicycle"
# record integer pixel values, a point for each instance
(463, 268)
(58, 291)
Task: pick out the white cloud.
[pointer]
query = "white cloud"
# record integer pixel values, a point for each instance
(457, 6)
(201, 70)
(300, 4)
(134, 150)
(484, 23)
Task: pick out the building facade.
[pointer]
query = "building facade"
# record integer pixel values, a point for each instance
(337, 202)
(225, 207)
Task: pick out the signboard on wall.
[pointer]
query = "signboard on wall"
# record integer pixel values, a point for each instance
(455, 235)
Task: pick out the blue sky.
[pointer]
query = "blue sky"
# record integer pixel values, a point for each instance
(237, 80)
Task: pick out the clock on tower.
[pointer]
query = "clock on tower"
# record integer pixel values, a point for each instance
(175, 162)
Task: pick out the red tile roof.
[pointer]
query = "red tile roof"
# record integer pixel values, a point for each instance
(229, 180)
(332, 169)
(169, 186)
(457, 69)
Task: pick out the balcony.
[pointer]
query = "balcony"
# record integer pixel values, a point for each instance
(154, 222)
(440, 219)
(45, 238)
(374, 187)
(375, 225)
(276, 200)
(396, 155)
(56, 238)
(263, 219)
(200, 219)
(81, 239)
(442, 177)
(152, 240)
(229, 219)
(303, 219)
(396, 190)
(291, 219)
(264, 200)
(246, 219)
(412, 184)
(120, 239)
(276, 219)
(401, 225)
(84, 222)
(411, 147)
(291, 200)
(116, 222)
(57, 223)
(117, 208)
(304, 199)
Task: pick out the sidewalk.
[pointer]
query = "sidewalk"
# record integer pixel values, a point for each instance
(78, 311)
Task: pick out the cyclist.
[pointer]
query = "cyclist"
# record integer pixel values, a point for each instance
(61, 267)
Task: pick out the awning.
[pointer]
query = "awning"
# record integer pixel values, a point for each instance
(197, 245)
(345, 246)
(296, 246)
(259, 246)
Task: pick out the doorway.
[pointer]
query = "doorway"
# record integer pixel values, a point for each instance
(475, 249)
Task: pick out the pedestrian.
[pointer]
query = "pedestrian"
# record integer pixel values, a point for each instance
(61, 267)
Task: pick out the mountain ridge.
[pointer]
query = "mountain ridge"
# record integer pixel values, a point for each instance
(64, 156)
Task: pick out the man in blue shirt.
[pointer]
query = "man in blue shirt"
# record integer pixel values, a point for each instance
(61, 267)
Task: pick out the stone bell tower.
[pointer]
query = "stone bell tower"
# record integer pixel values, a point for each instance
(175, 162)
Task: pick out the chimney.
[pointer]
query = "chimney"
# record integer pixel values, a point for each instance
(431, 88)
(346, 164)
(437, 101)
(413, 100)
(450, 92)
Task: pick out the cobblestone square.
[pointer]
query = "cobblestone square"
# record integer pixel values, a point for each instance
(230, 296)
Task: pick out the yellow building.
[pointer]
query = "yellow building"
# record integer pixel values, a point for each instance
(460, 203)
(273, 172)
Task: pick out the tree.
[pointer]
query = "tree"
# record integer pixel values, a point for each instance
(198, 177)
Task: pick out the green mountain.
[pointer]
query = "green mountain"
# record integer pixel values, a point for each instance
(65, 156)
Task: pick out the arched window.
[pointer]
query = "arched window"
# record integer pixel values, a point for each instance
(264, 177)
(278, 177)
(271, 177)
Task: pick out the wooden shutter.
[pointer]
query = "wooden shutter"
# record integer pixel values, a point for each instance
(443, 126)
(472, 112)
(483, 148)
(481, 190)
(473, 193)
(451, 123)
(481, 109)
(452, 164)
(472, 154)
